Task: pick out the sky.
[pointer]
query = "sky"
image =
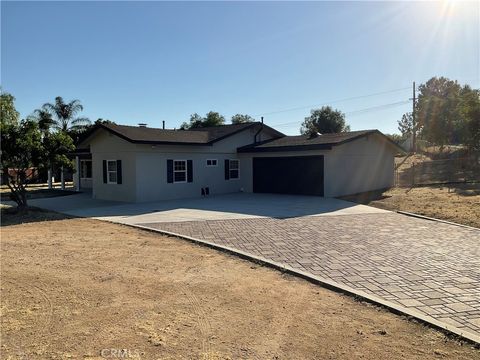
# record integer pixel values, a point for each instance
(144, 62)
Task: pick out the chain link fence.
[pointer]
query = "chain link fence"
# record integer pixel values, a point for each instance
(417, 170)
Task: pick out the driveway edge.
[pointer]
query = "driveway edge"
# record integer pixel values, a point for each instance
(406, 213)
(331, 285)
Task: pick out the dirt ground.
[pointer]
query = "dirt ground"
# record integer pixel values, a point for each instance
(85, 289)
(459, 203)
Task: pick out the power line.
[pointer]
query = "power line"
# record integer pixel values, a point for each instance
(358, 112)
(334, 101)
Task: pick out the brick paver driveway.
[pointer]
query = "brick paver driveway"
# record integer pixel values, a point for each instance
(428, 266)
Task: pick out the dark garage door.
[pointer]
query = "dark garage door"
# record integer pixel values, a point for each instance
(301, 175)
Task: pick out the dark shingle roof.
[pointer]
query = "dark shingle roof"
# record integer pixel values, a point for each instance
(139, 134)
(305, 142)
(199, 136)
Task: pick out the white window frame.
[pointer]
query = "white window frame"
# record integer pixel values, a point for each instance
(180, 171)
(211, 165)
(111, 172)
(230, 169)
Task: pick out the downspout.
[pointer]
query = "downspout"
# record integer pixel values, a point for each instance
(258, 132)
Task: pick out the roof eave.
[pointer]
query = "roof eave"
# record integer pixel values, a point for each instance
(285, 148)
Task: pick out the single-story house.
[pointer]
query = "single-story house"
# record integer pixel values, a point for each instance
(140, 164)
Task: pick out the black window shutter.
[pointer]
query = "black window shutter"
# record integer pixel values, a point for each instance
(104, 171)
(227, 169)
(119, 171)
(169, 171)
(189, 170)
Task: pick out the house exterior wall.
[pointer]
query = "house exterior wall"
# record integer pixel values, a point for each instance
(361, 165)
(105, 146)
(151, 168)
(144, 167)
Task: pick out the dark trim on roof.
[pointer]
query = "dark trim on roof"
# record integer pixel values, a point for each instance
(305, 147)
(250, 125)
(162, 142)
(249, 148)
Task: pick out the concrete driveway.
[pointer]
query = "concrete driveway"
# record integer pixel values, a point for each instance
(424, 268)
(221, 207)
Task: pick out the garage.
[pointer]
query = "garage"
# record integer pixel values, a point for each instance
(299, 175)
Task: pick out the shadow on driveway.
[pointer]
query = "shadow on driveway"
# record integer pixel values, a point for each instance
(217, 207)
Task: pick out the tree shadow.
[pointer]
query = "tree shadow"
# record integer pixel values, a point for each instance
(366, 198)
(11, 216)
(39, 193)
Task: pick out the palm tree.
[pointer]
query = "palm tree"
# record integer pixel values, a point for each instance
(65, 119)
(65, 115)
(44, 119)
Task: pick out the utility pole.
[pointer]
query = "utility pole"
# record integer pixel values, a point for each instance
(414, 123)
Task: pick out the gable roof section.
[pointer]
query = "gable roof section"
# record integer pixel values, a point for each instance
(305, 142)
(198, 136)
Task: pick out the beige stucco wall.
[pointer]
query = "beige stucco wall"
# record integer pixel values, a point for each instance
(105, 146)
(362, 165)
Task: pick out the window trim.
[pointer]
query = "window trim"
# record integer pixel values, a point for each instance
(179, 171)
(211, 165)
(230, 169)
(112, 171)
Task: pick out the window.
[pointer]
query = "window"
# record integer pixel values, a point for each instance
(211, 162)
(86, 169)
(234, 169)
(112, 171)
(179, 171)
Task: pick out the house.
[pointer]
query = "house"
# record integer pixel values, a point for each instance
(140, 164)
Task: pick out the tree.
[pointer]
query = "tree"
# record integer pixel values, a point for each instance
(8, 113)
(242, 119)
(470, 110)
(405, 125)
(437, 111)
(100, 121)
(212, 118)
(448, 113)
(324, 121)
(56, 147)
(44, 119)
(65, 115)
(396, 138)
(65, 120)
(21, 150)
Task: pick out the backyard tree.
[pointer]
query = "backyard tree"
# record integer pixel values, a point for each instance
(437, 111)
(405, 125)
(470, 110)
(65, 120)
(212, 118)
(325, 120)
(8, 113)
(21, 151)
(242, 119)
(65, 115)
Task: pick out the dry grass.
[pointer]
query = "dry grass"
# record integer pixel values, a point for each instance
(458, 203)
(73, 287)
